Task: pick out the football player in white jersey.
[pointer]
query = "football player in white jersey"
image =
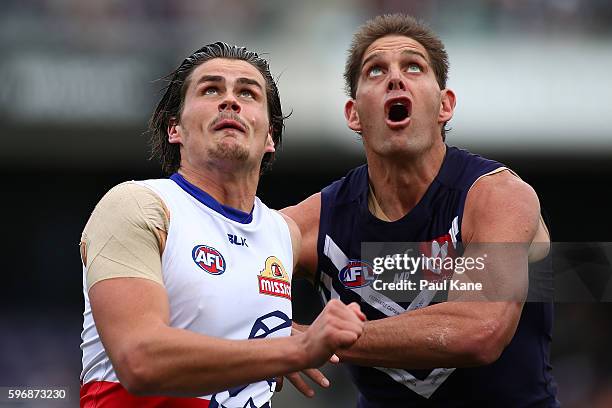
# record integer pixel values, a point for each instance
(187, 280)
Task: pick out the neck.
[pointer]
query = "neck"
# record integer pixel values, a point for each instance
(233, 189)
(399, 184)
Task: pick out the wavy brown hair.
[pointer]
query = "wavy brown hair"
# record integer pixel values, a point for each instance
(171, 104)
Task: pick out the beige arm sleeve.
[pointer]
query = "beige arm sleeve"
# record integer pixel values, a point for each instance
(125, 235)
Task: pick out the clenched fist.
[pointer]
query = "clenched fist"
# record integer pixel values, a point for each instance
(337, 327)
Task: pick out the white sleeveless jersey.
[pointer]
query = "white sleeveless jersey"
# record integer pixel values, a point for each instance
(224, 279)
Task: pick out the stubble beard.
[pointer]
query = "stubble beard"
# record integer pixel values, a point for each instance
(228, 151)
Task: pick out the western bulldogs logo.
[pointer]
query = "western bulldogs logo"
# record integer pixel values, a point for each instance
(242, 396)
(209, 259)
(356, 274)
(268, 324)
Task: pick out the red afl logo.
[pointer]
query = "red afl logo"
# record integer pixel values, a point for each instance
(209, 259)
(356, 274)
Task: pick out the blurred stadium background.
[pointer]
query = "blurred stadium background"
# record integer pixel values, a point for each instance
(78, 83)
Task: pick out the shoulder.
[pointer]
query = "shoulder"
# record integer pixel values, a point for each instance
(503, 188)
(132, 201)
(125, 235)
(305, 213)
(501, 208)
(130, 191)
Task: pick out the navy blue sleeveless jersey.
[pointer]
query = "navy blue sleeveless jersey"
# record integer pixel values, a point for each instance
(521, 377)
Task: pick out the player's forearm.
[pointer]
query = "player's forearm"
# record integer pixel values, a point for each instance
(437, 336)
(420, 345)
(297, 328)
(179, 362)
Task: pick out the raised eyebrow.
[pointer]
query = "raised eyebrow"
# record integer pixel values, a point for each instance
(405, 52)
(210, 78)
(370, 58)
(417, 53)
(249, 81)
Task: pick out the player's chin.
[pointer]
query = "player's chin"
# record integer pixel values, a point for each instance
(397, 151)
(229, 148)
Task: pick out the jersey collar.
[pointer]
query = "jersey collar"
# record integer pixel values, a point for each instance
(208, 200)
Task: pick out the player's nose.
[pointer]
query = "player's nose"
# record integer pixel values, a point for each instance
(229, 104)
(396, 83)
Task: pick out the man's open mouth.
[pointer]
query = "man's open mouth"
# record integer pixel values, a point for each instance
(398, 110)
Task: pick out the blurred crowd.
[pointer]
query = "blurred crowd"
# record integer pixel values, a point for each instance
(119, 25)
(110, 51)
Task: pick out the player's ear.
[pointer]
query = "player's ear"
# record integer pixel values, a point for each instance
(352, 118)
(269, 147)
(447, 105)
(174, 135)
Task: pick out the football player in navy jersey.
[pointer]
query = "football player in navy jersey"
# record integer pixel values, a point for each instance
(416, 188)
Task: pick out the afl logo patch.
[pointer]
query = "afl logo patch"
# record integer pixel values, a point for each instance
(356, 274)
(209, 259)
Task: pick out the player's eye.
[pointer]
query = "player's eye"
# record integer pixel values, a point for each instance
(211, 90)
(375, 71)
(246, 93)
(414, 68)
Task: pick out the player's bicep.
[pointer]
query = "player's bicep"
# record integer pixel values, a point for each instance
(501, 218)
(127, 311)
(501, 208)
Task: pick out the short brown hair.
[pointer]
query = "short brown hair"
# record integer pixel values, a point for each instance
(171, 104)
(394, 24)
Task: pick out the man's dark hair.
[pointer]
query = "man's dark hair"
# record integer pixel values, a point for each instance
(171, 104)
(395, 24)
